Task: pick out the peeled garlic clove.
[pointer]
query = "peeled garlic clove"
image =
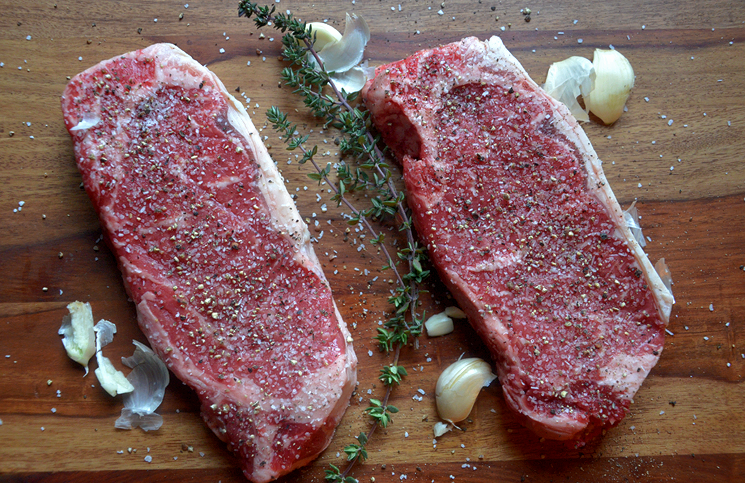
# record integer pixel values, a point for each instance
(78, 335)
(567, 80)
(439, 324)
(458, 387)
(614, 79)
(323, 34)
(344, 54)
(455, 313)
(111, 380)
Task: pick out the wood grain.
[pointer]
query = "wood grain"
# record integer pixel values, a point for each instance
(688, 176)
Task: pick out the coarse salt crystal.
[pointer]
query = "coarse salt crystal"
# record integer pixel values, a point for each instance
(148, 459)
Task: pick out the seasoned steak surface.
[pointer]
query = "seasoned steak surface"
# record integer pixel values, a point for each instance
(519, 220)
(214, 254)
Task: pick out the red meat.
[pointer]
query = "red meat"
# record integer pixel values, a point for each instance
(214, 254)
(520, 222)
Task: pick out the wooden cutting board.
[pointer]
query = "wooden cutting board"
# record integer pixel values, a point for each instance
(678, 151)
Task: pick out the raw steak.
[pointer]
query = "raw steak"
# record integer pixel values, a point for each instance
(511, 200)
(214, 254)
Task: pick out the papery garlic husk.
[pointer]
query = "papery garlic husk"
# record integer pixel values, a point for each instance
(344, 54)
(631, 217)
(458, 387)
(441, 428)
(455, 313)
(323, 34)
(149, 377)
(439, 324)
(664, 272)
(567, 80)
(349, 81)
(78, 335)
(614, 79)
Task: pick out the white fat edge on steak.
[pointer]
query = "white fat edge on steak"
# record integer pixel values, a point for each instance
(497, 54)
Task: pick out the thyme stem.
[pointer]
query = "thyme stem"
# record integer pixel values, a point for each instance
(354, 210)
(309, 77)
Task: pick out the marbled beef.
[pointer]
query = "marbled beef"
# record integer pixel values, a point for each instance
(519, 220)
(214, 254)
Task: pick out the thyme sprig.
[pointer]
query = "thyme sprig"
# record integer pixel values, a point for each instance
(309, 79)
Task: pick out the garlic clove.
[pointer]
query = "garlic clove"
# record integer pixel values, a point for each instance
(614, 79)
(323, 34)
(567, 80)
(455, 313)
(111, 380)
(344, 54)
(439, 324)
(77, 333)
(458, 386)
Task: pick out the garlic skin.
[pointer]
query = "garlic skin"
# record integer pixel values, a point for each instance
(439, 324)
(614, 79)
(149, 377)
(567, 80)
(664, 272)
(441, 428)
(341, 54)
(347, 52)
(77, 333)
(458, 387)
(631, 217)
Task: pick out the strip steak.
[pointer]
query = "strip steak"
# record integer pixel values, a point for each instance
(510, 198)
(214, 254)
